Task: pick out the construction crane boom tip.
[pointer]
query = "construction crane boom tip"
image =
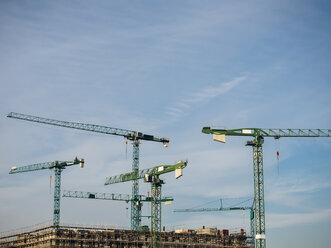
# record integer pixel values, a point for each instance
(206, 130)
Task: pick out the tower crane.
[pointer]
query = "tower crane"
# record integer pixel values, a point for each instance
(258, 134)
(151, 175)
(58, 166)
(111, 196)
(221, 208)
(134, 136)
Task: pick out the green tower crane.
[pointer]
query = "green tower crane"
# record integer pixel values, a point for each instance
(258, 134)
(58, 166)
(134, 136)
(111, 196)
(151, 175)
(221, 208)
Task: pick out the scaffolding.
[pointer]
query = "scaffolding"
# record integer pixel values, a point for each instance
(95, 237)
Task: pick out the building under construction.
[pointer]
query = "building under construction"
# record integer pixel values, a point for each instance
(71, 237)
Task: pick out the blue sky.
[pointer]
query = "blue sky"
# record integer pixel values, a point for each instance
(168, 69)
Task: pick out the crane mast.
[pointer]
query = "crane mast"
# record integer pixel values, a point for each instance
(134, 136)
(58, 166)
(258, 134)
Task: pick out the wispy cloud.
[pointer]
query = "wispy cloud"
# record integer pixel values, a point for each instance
(212, 92)
(203, 95)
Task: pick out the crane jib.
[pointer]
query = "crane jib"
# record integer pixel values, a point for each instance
(129, 134)
(268, 132)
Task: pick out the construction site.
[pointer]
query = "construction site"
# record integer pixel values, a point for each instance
(59, 235)
(71, 237)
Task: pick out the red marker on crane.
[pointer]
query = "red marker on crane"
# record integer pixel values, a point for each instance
(278, 162)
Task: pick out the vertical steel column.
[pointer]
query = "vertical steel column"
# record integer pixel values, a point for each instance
(156, 213)
(252, 225)
(57, 195)
(260, 238)
(135, 204)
